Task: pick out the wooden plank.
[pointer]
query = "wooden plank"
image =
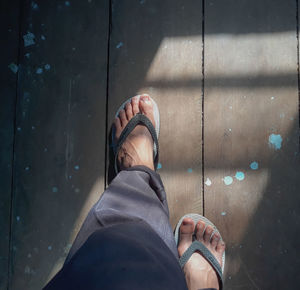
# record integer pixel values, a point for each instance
(60, 142)
(251, 99)
(156, 48)
(9, 18)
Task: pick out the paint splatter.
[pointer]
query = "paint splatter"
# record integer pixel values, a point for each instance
(27, 168)
(254, 165)
(47, 66)
(272, 98)
(67, 3)
(49, 248)
(190, 170)
(230, 107)
(76, 167)
(54, 189)
(18, 218)
(142, 1)
(229, 129)
(223, 213)
(45, 149)
(29, 255)
(27, 54)
(13, 67)
(275, 141)
(19, 128)
(159, 166)
(39, 70)
(29, 39)
(208, 182)
(32, 128)
(34, 6)
(43, 37)
(228, 180)
(120, 44)
(240, 175)
(77, 190)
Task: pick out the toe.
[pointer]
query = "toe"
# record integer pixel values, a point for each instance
(135, 105)
(186, 235)
(146, 105)
(200, 230)
(221, 246)
(123, 118)
(207, 234)
(117, 123)
(128, 111)
(214, 240)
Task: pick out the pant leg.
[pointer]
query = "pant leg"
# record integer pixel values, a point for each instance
(136, 194)
(122, 256)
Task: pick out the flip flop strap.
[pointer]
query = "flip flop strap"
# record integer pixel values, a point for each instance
(136, 120)
(198, 246)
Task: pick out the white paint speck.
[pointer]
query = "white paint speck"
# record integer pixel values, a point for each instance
(43, 37)
(223, 213)
(77, 190)
(228, 180)
(47, 66)
(39, 70)
(19, 129)
(29, 255)
(208, 182)
(120, 44)
(13, 67)
(29, 39)
(76, 167)
(272, 98)
(32, 128)
(27, 168)
(229, 129)
(49, 248)
(18, 218)
(230, 107)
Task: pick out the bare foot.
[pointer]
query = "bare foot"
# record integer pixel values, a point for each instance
(198, 272)
(137, 149)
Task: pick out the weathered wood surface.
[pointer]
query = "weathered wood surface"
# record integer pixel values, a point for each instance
(156, 48)
(251, 92)
(60, 148)
(9, 19)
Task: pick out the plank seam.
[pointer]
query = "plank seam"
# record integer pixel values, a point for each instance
(202, 121)
(107, 93)
(298, 73)
(9, 262)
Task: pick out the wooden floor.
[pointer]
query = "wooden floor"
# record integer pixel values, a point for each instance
(226, 80)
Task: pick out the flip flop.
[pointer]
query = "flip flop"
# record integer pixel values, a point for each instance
(198, 246)
(136, 120)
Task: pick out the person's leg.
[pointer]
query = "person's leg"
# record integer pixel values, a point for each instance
(135, 194)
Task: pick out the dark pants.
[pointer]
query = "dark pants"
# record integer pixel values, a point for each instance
(126, 241)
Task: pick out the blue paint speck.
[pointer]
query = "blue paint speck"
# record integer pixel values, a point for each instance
(39, 70)
(275, 141)
(54, 189)
(13, 67)
(67, 3)
(43, 37)
(254, 165)
(228, 180)
(47, 66)
(76, 167)
(240, 175)
(159, 166)
(190, 170)
(120, 44)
